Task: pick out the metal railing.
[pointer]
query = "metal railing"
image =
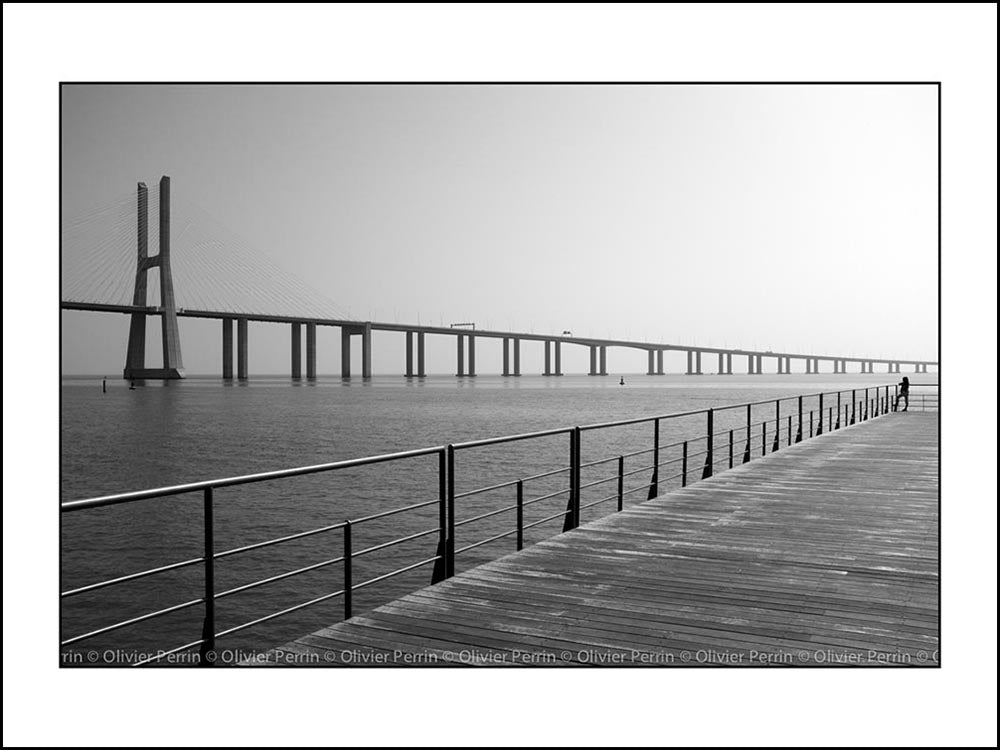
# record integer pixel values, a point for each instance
(690, 459)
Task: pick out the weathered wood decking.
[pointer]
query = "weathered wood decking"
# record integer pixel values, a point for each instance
(825, 552)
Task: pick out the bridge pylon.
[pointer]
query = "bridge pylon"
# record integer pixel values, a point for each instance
(135, 359)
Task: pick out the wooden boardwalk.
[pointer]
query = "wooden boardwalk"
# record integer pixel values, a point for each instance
(825, 552)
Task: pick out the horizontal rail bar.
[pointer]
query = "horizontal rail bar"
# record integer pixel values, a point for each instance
(480, 517)
(180, 489)
(279, 540)
(481, 490)
(132, 577)
(598, 502)
(280, 577)
(486, 541)
(396, 511)
(637, 471)
(275, 615)
(560, 514)
(612, 478)
(557, 493)
(395, 573)
(511, 438)
(164, 654)
(544, 474)
(394, 542)
(640, 420)
(133, 621)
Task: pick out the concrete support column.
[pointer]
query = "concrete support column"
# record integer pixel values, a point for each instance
(227, 348)
(690, 368)
(311, 351)
(604, 360)
(659, 361)
(296, 351)
(241, 349)
(460, 348)
(421, 372)
(697, 362)
(721, 369)
(593, 360)
(781, 365)
(760, 365)
(548, 357)
(729, 363)
(366, 352)
(751, 361)
(409, 354)
(345, 352)
(558, 347)
(649, 367)
(472, 356)
(506, 357)
(517, 357)
(809, 365)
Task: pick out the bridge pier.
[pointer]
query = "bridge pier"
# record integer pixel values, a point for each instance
(472, 356)
(420, 355)
(548, 357)
(690, 363)
(659, 362)
(760, 364)
(409, 354)
(729, 363)
(365, 331)
(310, 351)
(296, 351)
(697, 363)
(650, 355)
(460, 348)
(506, 356)
(517, 357)
(593, 360)
(242, 357)
(604, 360)
(558, 351)
(751, 362)
(781, 366)
(227, 348)
(721, 369)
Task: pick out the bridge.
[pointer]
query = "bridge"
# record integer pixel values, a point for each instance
(95, 270)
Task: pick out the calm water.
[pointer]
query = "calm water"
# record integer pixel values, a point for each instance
(201, 429)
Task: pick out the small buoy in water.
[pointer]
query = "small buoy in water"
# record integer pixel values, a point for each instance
(131, 385)
(622, 381)
(104, 385)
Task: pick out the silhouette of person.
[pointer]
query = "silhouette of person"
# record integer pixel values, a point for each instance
(904, 393)
(131, 385)
(622, 381)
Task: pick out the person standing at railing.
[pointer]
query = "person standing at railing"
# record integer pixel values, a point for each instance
(904, 393)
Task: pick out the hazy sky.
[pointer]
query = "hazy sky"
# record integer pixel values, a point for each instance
(776, 217)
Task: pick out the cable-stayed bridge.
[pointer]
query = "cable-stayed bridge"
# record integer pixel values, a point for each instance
(203, 270)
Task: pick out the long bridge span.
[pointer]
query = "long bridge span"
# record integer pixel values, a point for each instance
(168, 310)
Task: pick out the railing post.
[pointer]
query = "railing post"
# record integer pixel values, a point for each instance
(864, 416)
(730, 449)
(621, 482)
(710, 455)
(348, 572)
(520, 515)
(450, 545)
(206, 654)
(654, 482)
(763, 438)
(788, 432)
(746, 451)
(819, 427)
(577, 438)
(837, 427)
(777, 426)
(829, 426)
(810, 423)
(569, 521)
(441, 564)
(895, 397)
(798, 435)
(684, 465)
(854, 404)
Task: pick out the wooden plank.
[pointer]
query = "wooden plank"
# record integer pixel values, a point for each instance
(825, 552)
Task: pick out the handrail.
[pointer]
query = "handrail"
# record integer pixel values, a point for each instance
(737, 444)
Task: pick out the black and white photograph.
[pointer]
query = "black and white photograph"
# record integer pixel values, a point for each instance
(398, 382)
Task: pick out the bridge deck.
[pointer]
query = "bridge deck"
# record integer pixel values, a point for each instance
(825, 552)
